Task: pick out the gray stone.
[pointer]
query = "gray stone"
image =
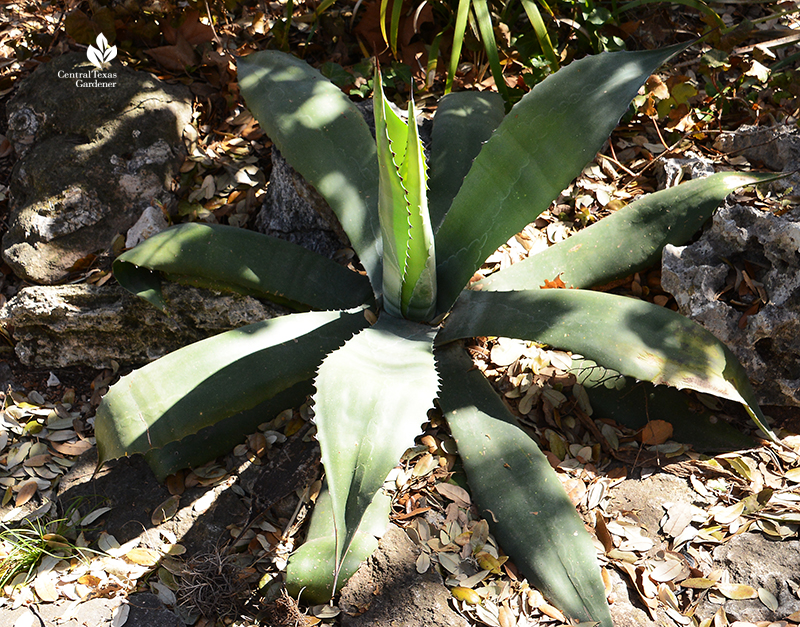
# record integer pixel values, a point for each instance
(294, 211)
(387, 590)
(769, 344)
(151, 222)
(671, 171)
(755, 560)
(67, 325)
(91, 160)
(777, 148)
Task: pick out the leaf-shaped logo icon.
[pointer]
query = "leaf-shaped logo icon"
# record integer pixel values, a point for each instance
(103, 54)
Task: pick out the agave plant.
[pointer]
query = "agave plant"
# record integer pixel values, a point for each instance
(377, 349)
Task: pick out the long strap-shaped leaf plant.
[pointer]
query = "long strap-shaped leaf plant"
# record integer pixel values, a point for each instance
(420, 237)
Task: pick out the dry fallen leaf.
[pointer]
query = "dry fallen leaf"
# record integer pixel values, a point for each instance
(737, 591)
(656, 432)
(465, 594)
(768, 599)
(143, 557)
(26, 492)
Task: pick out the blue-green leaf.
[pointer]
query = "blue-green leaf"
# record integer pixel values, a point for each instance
(324, 137)
(512, 481)
(463, 122)
(311, 572)
(199, 385)
(228, 258)
(626, 241)
(372, 396)
(541, 145)
(650, 343)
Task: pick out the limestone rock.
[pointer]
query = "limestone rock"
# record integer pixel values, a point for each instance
(68, 325)
(91, 160)
(294, 211)
(769, 344)
(755, 560)
(388, 590)
(777, 148)
(151, 222)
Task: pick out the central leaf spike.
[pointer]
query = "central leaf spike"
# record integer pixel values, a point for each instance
(409, 264)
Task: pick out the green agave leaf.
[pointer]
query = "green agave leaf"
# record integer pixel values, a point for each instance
(464, 121)
(372, 396)
(311, 570)
(229, 258)
(650, 343)
(219, 439)
(419, 282)
(409, 275)
(392, 136)
(533, 518)
(294, 103)
(634, 403)
(541, 145)
(208, 381)
(627, 241)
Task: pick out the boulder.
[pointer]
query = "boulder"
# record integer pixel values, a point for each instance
(767, 342)
(777, 148)
(294, 211)
(757, 561)
(94, 154)
(69, 325)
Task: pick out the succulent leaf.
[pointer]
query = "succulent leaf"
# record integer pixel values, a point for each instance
(532, 516)
(539, 147)
(233, 259)
(208, 381)
(322, 134)
(627, 241)
(651, 343)
(372, 395)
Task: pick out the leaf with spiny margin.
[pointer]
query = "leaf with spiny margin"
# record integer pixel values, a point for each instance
(532, 517)
(311, 570)
(628, 240)
(216, 378)
(538, 149)
(409, 263)
(638, 402)
(233, 259)
(324, 137)
(372, 396)
(650, 343)
(419, 280)
(391, 135)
